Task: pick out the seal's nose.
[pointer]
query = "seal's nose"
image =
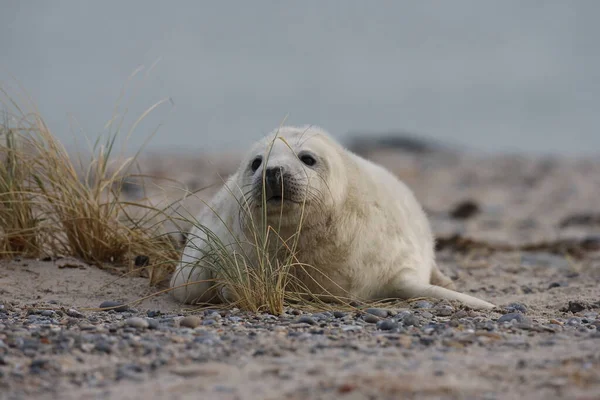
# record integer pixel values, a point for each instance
(274, 181)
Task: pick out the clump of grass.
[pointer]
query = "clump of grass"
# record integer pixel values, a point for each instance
(18, 222)
(78, 203)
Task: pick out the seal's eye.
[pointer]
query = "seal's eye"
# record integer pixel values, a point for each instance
(308, 160)
(256, 163)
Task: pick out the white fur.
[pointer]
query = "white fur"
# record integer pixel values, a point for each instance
(365, 231)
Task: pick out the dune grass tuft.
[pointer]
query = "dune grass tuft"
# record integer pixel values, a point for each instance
(18, 222)
(56, 205)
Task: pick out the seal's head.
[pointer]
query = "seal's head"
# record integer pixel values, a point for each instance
(293, 172)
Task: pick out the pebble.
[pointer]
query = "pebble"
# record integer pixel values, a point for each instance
(544, 259)
(410, 320)
(153, 314)
(422, 304)
(103, 346)
(137, 322)
(557, 284)
(516, 307)
(378, 312)
(351, 328)
(191, 321)
(512, 316)
(71, 312)
(444, 311)
(370, 318)
(152, 323)
(339, 314)
(119, 307)
(387, 325)
(306, 319)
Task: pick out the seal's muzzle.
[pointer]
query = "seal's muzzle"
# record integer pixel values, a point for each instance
(273, 183)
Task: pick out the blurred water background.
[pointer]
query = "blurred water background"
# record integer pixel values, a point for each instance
(508, 75)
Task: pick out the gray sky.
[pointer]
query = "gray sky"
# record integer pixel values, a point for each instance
(493, 75)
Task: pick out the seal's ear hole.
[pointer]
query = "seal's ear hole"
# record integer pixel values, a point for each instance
(256, 163)
(308, 159)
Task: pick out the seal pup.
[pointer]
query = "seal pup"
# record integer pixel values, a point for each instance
(362, 229)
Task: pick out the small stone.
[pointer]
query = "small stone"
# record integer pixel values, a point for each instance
(387, 325)
(512, 316)
(444, 311)
(465, 210)
(460, 314)
(48, 313)
(191, 321)
(208, 322)
(114, 305)
(153, 313)
(38, 365)
(142, 261)
(306, 319)
(339, 314)
(103, 346)
(574, 321)
(323, 316)
(410, 320)
(544, 259)
(137, 322)
(516, 307)
(378, 312)
(422, 304)
(556, 284)
(351, 328)
(152, 323)
(371, 319)
(575, 307)
(71, 312)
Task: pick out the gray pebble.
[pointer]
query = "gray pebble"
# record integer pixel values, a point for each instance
(207, 322)
(516, 307)
(48, 313)
(512, 316)
(387, 325)
(339, 314)
(378, 312)
(410, 320)
(153, 314)
(152, 323)
(119, 307)
(103, 346)
(370, 318)
(544, 259)
(351, 328)
(191, 321)
(422, 304)
(306, 319)
(71, 312)
(137, 322)
(444, 311)
(324, 316)
(574, 321)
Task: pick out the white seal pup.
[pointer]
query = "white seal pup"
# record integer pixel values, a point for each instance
(362, 228)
